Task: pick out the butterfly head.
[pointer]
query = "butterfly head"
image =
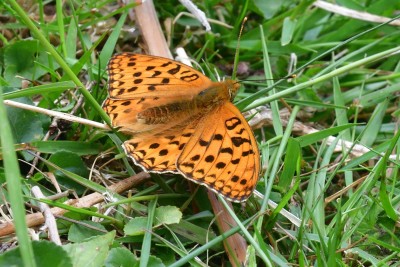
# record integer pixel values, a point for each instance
(233, 87)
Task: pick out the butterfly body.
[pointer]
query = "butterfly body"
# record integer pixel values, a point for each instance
(164, 114)
(182, 122)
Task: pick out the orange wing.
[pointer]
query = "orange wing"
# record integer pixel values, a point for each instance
(139, 82)
(222, 154)
(158, 151)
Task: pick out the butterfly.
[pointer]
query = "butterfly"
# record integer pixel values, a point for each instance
(182, 122)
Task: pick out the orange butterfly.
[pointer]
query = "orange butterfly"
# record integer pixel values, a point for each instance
(182, 122)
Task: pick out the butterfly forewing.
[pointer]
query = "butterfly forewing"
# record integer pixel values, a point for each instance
(134, 76)
(140, 82)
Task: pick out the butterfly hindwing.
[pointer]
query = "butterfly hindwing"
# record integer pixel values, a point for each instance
(157, 152)
(222, 154)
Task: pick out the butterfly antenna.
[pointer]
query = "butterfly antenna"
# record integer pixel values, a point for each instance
(291, 76)
(236, 60)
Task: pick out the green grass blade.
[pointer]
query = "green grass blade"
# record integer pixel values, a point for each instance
(13, 178)
(146, 245)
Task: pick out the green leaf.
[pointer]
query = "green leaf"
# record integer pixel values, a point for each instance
(167, 215)
(378, 96)
(76, 147)
(367, 156)
(21, 59)
(26, 126)
(155, 262)
(136, 226)
(145, 253)
(341, 115)
(70, 162)
(312, 138)
(193, 232)
(44, 89)
(82, 231)
(289, 25)
(315, 104)
(266, 8)
(374, 123)
(290, 164)
(121, 257)
(46, 254)
(90, 253)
